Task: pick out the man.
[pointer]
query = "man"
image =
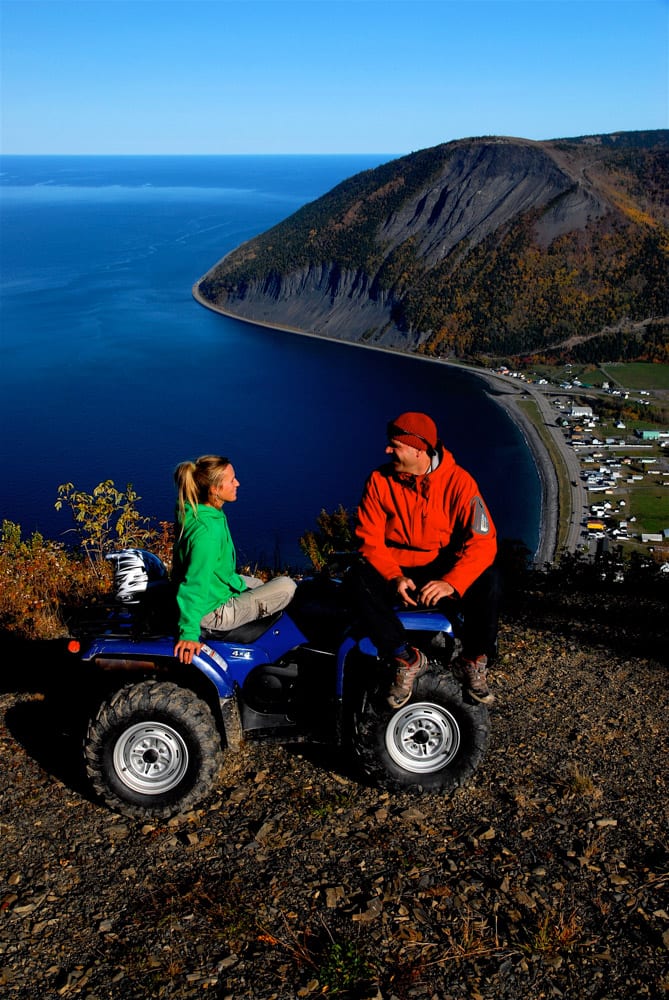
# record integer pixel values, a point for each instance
(426, 536)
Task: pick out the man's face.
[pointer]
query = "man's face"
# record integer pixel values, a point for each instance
(406, 459)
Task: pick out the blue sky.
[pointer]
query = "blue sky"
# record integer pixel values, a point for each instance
(324, 76)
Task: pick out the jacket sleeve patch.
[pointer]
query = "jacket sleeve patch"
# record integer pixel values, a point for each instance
(480, 519)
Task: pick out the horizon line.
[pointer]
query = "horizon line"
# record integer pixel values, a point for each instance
(344, 153)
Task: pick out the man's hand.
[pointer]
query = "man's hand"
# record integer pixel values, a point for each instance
(434, 591)
(403, 584)
(185, 649)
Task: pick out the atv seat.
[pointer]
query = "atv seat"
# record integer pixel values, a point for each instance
(243, 633)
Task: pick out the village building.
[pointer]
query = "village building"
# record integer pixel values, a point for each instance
(578, 412)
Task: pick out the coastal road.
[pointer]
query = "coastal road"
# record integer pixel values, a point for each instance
(578, 494)
(508, 392)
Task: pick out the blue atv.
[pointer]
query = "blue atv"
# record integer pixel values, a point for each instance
(154, 747)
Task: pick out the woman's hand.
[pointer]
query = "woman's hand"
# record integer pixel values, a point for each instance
(185, 649)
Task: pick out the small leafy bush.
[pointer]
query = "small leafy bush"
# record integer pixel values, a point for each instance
(40, 578)
(342, 967)
(106, 519)
(335, 534)
(37, 578)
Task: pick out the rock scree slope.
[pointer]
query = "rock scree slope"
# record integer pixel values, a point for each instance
(545, 876)
(486, 244)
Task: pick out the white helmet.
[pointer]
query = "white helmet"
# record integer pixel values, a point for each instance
(135, 572)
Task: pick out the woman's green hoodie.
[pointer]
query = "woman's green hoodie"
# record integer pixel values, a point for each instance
(204, 568)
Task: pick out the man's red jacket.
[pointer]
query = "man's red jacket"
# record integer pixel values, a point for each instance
(409, 520)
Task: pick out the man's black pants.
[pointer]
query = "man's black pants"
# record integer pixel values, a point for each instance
(376, 601)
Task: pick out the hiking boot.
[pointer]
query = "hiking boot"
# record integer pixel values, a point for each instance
(473, 674)
(408, 668)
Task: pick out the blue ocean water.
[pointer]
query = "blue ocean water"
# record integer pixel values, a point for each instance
(110, 370)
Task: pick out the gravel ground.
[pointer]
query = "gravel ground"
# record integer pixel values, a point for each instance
(546, 876)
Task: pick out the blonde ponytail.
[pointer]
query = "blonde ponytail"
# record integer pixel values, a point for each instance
(193, 481)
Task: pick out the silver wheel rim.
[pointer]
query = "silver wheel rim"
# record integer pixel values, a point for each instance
(150, 758)
(422, 737)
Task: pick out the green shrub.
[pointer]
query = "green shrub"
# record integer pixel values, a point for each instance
(106, 519)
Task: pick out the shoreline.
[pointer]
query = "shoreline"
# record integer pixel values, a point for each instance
(548, 480)
(505, 395)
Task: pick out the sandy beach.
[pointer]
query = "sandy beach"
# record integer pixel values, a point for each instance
(508, 397)
(505, 393)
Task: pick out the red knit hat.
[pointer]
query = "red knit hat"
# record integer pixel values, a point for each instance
(415, 429)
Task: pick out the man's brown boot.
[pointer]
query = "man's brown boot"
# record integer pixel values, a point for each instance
(473, 674)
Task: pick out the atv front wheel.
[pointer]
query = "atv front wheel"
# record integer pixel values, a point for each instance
(433, 743)
(153, 750)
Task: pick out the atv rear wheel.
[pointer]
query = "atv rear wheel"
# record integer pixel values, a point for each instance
(433, 743)
(153, 750)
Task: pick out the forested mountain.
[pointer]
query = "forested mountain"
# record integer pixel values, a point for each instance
(497, 246)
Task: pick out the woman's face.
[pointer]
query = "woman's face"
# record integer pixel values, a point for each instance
(225, 490)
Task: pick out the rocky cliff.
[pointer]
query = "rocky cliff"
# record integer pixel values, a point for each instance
(493, 245)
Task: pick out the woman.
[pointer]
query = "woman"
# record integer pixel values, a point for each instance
(211, 593)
